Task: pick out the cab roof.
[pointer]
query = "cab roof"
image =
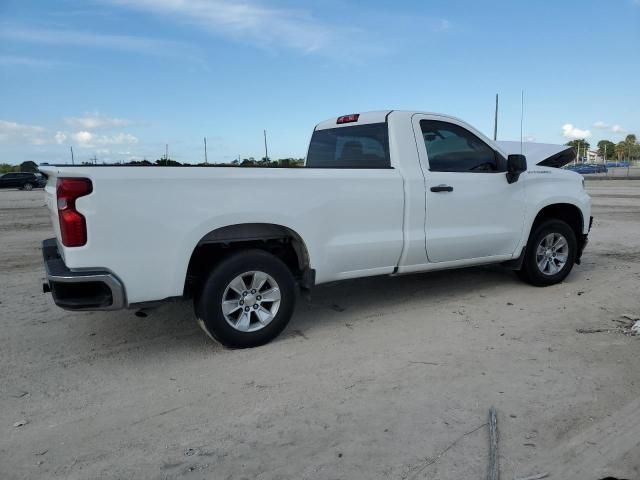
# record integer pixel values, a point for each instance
(378, 116)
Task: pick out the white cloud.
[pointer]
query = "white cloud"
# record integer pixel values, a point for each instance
(615, 128)
(119, 139)
(441, 25)
(18, 133)
(16, 61)
(244, 21)
(60, 137)
(93, 121)
(126, 43)
(574, 133)
(83, 138)
(268, 27)
(13, 132)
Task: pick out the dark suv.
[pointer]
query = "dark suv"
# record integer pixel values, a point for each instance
(21, 180)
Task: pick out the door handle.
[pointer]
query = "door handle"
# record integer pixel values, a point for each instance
(442, 188)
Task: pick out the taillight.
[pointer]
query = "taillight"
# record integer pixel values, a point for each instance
(348, 118)
(73, 227)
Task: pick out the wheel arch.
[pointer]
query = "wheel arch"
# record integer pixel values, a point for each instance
(569, 213)
(282, 241)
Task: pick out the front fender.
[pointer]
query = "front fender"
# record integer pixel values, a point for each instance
(549, 186)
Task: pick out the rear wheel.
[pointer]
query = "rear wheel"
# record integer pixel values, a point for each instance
(28, 187)
(247, 299)
(550, 254)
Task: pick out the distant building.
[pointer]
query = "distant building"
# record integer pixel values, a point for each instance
(593, 157)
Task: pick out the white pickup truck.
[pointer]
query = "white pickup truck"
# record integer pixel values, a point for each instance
(381, 193)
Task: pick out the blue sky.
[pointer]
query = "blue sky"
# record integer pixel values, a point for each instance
(121, 78)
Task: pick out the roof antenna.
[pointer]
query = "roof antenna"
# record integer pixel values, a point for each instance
(521, 118)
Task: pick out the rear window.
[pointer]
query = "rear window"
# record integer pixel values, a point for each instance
(359, 146)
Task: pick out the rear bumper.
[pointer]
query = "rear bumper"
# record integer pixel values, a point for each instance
(83, 290)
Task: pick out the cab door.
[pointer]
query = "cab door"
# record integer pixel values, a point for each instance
(472, 212)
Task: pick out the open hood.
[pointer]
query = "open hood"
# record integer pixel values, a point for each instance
(543, 154)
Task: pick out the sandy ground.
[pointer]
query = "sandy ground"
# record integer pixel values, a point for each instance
(375, 378)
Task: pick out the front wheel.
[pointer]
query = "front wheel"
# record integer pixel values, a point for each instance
(28, 187)
(550, 255)
(247, 299)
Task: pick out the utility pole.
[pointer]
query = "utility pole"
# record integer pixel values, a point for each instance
(166, 151)
(266, 151)
(495, 124)
(72, 162)
(205, 151)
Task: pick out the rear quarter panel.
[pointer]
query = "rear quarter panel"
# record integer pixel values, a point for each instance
(144, 222)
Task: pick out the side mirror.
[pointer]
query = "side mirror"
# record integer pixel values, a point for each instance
(516, 164)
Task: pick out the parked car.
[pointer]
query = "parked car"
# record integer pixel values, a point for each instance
(21, 180)
(42, 180)
(624, 164)
(381, 193)
(598, 167)
(585, 168)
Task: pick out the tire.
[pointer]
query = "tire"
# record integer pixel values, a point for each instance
(259, 273)
(28, 187)
(543, 264)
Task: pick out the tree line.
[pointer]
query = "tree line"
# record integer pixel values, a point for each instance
(30, 166)
(27, 166)
(245, 162)
(629, 148)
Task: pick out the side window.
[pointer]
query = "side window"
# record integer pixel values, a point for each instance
(451, 148)
(358, 146)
